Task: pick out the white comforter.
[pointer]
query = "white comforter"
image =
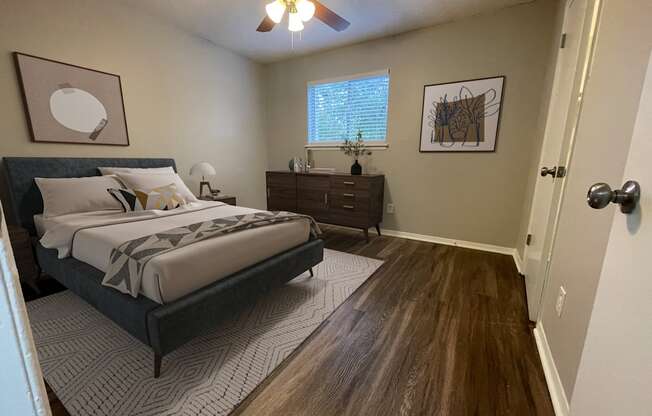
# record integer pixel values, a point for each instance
(90, 237)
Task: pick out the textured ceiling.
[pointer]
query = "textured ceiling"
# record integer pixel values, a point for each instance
(232, 23)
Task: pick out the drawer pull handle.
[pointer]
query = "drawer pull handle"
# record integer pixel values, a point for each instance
(348, 183)
(349, 195)
(348, 206)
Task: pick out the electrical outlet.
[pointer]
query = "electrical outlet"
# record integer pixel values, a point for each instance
(561, 299)
(390, 208)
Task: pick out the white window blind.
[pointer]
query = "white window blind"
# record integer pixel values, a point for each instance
(338, 109)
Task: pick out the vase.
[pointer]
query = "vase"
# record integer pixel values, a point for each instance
(356, 168)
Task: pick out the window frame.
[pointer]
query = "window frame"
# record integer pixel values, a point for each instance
(335, 144)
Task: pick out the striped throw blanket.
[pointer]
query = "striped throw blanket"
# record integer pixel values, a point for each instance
(127, 262)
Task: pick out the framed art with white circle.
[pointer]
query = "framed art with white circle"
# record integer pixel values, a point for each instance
(461, 116)
(66, 103)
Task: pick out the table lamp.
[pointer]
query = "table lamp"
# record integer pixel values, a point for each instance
(204, 169)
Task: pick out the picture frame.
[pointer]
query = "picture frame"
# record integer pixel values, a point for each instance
(67, 103)
(461, 116)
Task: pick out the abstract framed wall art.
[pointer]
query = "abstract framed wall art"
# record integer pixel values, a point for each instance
(461, 116)
(67, 103)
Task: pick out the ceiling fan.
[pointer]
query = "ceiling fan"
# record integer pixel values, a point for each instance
(300, 11)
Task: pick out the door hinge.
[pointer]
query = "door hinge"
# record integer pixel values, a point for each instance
(563, 41)
(528, 240)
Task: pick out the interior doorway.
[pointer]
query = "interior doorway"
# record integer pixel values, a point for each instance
(571, 74)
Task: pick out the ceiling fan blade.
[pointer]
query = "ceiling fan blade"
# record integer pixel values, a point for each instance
(329, 17)
(266, 25)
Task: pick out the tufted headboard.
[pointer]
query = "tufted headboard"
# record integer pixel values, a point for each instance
(25, 197)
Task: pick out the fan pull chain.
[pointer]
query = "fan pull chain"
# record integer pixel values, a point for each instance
(292, 38)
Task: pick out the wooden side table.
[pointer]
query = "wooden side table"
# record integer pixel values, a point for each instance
(21, 244)
(227, 199)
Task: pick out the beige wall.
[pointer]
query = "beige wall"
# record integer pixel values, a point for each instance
(473, 197)
(184, 97)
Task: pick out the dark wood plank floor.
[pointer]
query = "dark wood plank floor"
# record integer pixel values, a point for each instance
(437, 330)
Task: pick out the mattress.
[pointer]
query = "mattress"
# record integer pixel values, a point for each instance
(177, 273)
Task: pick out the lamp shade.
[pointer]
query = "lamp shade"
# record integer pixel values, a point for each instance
(276, 10)
(202, 169)
(306, 9)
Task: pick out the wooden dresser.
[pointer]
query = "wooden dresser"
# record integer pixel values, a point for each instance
(340, 199)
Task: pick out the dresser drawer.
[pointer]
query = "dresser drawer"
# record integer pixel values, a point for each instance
(349, 208)
(274, 192)
(350, 182)
(281, 180)
(321, 182)
(349, 195)
(350, 201)
(281, 199)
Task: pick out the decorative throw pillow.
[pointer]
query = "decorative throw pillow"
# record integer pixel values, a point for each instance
(164, 198)
(156, 180)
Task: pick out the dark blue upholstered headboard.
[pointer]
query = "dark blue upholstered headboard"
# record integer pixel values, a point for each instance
(25, 197)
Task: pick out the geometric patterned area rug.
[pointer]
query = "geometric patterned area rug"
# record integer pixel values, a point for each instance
(96, 368)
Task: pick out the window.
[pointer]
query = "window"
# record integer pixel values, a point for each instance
(338, 109)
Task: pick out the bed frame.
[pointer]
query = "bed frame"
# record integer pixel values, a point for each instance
(162, 327)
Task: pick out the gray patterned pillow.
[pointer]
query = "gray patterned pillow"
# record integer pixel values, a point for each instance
(164, 198)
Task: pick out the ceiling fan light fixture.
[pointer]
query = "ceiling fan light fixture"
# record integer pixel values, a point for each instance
(276, 10)
(306, 9)
(295, 25)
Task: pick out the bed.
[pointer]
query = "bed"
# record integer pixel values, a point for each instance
(218, 275)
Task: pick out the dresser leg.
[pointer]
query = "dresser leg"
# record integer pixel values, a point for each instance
(366, 234)
(312, 274)
(157, 364)
(378, 228)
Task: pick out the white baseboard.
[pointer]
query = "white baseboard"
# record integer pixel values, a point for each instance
(519, 262)
(452, 242)
(460, 243)
(556, 389)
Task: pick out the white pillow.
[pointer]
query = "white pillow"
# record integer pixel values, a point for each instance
(114, 171)
(69, 195)
(157, 180)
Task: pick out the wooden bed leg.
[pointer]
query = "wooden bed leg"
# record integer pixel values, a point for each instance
(157, 364)
(312, 274)
(378, 228)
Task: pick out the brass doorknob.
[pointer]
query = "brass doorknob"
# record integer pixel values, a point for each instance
(600, 195)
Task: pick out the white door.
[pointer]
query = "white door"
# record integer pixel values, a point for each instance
(567, 84)
(601, 145)
(615, 374)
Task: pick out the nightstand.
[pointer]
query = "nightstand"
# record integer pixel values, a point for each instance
(21, 243)
(227, 199)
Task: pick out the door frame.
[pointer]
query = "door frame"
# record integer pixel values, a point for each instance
(23, 367)
(582, 75)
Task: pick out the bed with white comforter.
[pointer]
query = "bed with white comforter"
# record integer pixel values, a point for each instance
(91, 236)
